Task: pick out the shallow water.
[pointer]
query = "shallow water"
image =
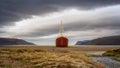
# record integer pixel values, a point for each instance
(93, 52)
(107, 61)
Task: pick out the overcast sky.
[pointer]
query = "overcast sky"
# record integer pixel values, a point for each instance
(38, 21)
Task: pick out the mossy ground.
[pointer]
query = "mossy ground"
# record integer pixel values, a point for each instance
(114, 52)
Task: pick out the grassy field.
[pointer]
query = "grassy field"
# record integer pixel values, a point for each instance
(44, 57)
(70, 48)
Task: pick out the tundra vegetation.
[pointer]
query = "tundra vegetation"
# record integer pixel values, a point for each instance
(114, 52)
(36, 57)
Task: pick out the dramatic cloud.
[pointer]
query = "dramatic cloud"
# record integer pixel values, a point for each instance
(16, 10)
(38, 20)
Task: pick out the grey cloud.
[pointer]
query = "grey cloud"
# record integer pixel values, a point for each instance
(1, 31)
(108, 23)
(15, 10)
(40, 32)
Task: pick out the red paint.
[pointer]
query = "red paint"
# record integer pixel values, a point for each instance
(61, 42)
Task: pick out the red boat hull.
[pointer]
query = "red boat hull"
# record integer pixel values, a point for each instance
(61, 42)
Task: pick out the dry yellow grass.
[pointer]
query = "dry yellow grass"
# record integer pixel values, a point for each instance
(44, 57)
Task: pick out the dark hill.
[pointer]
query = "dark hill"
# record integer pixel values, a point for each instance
(82, 42)
(110, 40)
(13, 41)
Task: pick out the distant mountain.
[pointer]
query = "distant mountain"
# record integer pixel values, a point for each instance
(13, 41)
(82, 42)
(110, 40)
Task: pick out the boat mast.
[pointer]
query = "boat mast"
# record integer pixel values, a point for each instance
(61, 29)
